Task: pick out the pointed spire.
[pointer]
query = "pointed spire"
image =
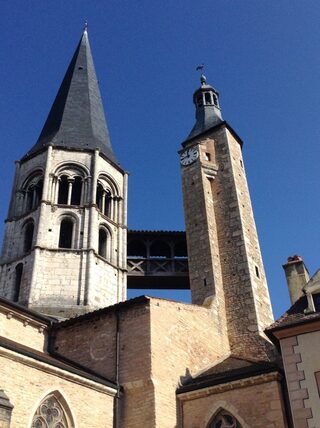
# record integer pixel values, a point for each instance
(208, 113)
(76, 119)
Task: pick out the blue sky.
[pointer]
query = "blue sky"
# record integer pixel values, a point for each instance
(263, 57)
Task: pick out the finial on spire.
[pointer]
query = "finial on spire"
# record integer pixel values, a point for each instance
(85, 28)
(203, 78)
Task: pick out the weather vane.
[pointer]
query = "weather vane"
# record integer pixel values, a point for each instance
(203, 78)
(85, 28)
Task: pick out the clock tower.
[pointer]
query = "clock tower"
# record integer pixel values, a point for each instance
(225, 263)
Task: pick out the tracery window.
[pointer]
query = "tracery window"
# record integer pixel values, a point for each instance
(50, 414)
(224, 419)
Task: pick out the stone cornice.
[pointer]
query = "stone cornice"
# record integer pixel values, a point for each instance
(241, 383)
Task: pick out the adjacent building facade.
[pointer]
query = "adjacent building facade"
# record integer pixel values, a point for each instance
(74, 351)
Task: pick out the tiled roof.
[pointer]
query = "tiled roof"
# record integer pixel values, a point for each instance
(295, 315)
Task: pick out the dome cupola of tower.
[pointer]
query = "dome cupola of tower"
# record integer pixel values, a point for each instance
(208, 113)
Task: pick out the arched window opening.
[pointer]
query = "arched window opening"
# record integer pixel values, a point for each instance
(38, 192)
(52, 413)
(160, 249)
(29, 199)
(208, 98)
(103, 237)
(63, 190)
(17, 281)
(180, 250)
(137, 249)
(103, 200)
(224, 419)
(33, 192)
(76, 191)
(107, 204)
(28, 236)
(215, 100)
(66, 232)
(99, 196)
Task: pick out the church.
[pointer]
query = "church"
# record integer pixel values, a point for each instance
(76, 353)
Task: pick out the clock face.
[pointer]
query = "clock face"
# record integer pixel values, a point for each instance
(189, 156)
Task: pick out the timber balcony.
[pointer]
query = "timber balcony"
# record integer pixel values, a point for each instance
(157, 260)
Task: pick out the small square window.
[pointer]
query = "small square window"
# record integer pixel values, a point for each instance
(207, 157)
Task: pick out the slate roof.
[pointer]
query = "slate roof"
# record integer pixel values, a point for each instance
(76, 119)
(230, 369)
(295, 315)
(208, 115)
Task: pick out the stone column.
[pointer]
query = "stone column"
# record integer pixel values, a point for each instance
(5, 410)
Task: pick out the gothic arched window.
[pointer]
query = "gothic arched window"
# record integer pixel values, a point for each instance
(17, 281)
(52, 413)
(224, 419)
(66, 233)
(28, 236)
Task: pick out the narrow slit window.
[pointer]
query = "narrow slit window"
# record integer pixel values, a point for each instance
(257, 272)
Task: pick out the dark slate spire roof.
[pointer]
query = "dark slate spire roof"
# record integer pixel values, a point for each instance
(208, 113)
(76, 119)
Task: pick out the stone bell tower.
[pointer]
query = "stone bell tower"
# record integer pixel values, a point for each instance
(64, 249)
(225, 264)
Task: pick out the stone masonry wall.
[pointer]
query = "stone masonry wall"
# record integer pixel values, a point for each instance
(161, 342)
(70, 277)
(93, 343)
(30, 384)
(183, 342)
(223, 244)
(23, 329)
(257, 405)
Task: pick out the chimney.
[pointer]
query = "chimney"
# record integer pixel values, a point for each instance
(297, 276)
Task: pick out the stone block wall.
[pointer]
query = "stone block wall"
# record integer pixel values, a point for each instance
(255, 402)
